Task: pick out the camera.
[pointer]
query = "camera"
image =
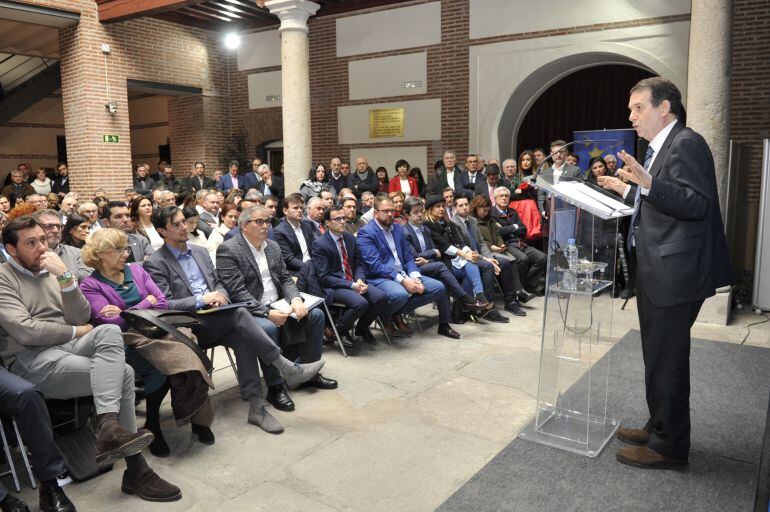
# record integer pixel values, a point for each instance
(111, 107)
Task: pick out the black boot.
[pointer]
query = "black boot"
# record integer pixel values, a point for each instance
(158, 447)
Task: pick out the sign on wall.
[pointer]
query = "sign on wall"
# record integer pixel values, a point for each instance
(386, 122)
(110, 138)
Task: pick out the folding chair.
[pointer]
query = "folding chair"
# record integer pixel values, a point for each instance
(9, 456)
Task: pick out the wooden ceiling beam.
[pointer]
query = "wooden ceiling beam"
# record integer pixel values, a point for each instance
(119, 10)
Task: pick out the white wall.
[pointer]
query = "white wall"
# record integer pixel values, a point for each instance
(264, 85)
(385, 76)
(259, 50)
(417, 156)
(502, 17)
(392, 29)
(661, 48)
(422, 121)
(30, 137)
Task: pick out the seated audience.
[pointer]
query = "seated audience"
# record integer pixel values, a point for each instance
(186, 277)
(116, 215)
(315, 214)
(352, 222)
(49, 341)
(207, 204)
(383, 182)
(163, 365)
(22, 401)
(228, 219)
(397, 198)
(52, 226)
(315, 183)
(389, 265)
(252, 270)
(75, 231)
(339, 268)
(402, 181)
(191, 219)
(90, 211)
(18, 189)
(140, 212)
(294, 234)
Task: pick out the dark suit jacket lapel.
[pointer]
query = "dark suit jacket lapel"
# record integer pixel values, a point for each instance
(176, 267)
(661, 156)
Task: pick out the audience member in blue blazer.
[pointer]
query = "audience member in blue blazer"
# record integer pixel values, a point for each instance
(389, 266)
(232, 180)
(338, 265)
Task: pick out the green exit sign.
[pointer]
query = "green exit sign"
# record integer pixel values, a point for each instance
(111, 138)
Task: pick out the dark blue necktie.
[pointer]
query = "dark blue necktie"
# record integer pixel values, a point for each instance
(474, 245)
(638, 198)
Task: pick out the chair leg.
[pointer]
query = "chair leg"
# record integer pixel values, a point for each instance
(9, 458)
(334, 328)
(232, 364)
(382, 326)
(23, 451)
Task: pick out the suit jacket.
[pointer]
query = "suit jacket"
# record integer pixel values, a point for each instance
(71, 258)
(145, 190)
(367, 183)
(339, 183)
(140, 247)
(440, 182)
(445, 236)
(238, 270)
(567, 171)
(375, 252)
(9, 191)
(287, 240)
(245, 182)
(192, 184)
(395, 185)
(472, 231)
(60, 185)
(277, 188)
(430, 248)
(681, 249)
(512, 228)
(469, 189)
(165, 270)
(328, 262)
(482, 188)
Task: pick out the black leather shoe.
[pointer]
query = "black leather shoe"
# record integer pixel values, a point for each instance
(515, 308)
(53, 499)
(205, 435)
(13, 504)
(524, 296)
(320, 382)
(627, 293)
(347, 340)
(279, 398)
(494, 316)
(446, 330)
(365, 334)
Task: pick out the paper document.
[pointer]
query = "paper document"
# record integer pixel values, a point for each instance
(595, 201)
(283, 306)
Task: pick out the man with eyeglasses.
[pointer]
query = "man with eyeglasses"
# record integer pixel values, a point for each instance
(90, 211)
(38, 201)
(186, 276)
(352, 222)
(52, 226)
(390, 266)
(116, 215)
(339, 268)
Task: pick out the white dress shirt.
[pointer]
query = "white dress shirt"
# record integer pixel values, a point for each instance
(301, 239)
(269, 291)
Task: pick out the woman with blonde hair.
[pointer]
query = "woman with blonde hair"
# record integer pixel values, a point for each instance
(164, 364)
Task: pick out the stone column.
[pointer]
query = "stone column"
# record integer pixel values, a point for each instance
(295, 88)
(708, 80)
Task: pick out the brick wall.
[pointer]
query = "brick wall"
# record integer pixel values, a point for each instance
(750, 84)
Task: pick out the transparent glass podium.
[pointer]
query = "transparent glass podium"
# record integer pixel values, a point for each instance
(577, 320)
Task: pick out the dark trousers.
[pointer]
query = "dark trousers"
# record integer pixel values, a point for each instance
(364, 308)
(666, 353)
(237, 329)
(531, 263)
(21, 400)
(439, 271)
(510, 282)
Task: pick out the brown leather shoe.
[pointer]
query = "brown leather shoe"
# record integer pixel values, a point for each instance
(114, 442)
(635, 436)
(647, 458)
(391, 330)
(400, 324)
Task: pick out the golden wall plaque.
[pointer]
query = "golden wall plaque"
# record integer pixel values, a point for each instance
(386, 122)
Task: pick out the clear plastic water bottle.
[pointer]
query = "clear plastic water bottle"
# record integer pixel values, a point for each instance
(570, 275)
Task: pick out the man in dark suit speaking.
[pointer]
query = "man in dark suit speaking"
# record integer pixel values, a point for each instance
(676, 231)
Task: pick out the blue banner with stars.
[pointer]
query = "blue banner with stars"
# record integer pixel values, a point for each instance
(612, 141)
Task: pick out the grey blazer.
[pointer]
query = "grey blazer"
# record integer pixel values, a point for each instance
(140, 247)
(165, 270)
(71, 258)
(475, 233)
(240, 274)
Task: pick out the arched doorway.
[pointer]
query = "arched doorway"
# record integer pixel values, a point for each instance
(592, 98)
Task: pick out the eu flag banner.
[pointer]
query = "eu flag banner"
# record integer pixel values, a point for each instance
(620, 139)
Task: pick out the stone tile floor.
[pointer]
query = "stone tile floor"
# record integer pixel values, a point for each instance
(409, 424)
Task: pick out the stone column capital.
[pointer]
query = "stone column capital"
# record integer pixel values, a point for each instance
(292, 13)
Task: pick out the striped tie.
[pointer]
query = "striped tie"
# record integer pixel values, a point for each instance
(638, 198)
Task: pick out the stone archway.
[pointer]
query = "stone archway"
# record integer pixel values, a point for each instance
(508, 77)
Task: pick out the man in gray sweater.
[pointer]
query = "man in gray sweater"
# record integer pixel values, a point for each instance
(49, 342)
